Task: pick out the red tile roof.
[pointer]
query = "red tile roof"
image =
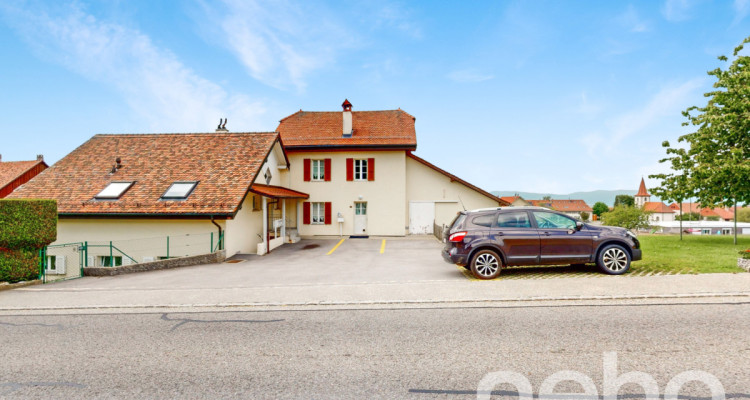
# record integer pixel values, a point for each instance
(12, 170)
(563, 205)
(277, 192)
(224, 164)
(723, 213)
(657, 207)
(454, 178)
(510, 199)
(642, 189)
(686, 207)
(314, 129)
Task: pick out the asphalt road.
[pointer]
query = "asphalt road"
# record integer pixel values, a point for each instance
(423, 353)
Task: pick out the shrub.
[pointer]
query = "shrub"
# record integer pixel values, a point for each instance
(745, 254)
(585, 216)
(626, 217)
(27, 224)
(19, 265)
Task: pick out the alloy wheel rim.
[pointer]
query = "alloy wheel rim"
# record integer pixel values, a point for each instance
(487, 264)
(615, 259)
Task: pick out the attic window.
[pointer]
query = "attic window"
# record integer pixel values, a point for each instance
(179, 191)
(114, 190)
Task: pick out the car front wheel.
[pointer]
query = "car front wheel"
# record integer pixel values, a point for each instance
(486, 265)
(614, 260)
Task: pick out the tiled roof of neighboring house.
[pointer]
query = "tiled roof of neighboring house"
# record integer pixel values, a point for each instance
(315, 129)
(454, 178)
(223, 164)
(686, 207)
(657, 207)
(12, 170)
(723, 213)
(510, 199)
(563, 205)
(277, 192)
(642, 189)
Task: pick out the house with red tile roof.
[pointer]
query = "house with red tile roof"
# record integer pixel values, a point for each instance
(139, 186)
(363, 177)
(321, 173)
(515, 201)
(13, 174)
(572, 208)
(658, 211)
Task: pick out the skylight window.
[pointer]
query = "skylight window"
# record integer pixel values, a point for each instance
(114, 190)
(179, 191)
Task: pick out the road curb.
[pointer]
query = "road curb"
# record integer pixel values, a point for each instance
(383, 302)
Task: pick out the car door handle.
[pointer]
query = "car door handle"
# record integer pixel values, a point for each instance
(499, 234)
(547, 233)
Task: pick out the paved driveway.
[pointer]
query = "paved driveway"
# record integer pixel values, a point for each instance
(307, 263)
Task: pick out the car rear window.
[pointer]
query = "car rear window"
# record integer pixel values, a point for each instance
(513, 220)
(458, 221)
(483, 220)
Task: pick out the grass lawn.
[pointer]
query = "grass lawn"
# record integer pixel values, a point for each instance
(694, 254)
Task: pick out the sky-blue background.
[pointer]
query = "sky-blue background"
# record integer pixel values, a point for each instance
(543, 96)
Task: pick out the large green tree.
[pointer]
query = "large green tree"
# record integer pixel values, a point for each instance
(600, 208)
(624, 200)
(627, 217)
(717, 164)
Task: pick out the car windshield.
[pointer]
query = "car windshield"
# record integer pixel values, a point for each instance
(548, 220)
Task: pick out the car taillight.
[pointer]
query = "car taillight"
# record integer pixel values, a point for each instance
(457, 237)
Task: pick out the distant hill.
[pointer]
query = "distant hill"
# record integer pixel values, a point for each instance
(605, 196)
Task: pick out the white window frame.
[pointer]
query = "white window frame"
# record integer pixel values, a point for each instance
(359, 207)
(113, 261)
(360, 170)
(187, 194)
(59, 262)
(317, 213)
(318, 166)
(125, 186)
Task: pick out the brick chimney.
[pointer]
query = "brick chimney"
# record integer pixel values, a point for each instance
(40, 157)
(347, 106)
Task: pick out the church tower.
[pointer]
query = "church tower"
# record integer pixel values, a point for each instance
(642, 196)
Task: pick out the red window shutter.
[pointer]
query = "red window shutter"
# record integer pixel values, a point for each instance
(349, 169)
(328, 213)
(306, 163)
(306, 213)
(370, 169)
(328, 170)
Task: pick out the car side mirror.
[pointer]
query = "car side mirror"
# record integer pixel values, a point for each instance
(579, 225)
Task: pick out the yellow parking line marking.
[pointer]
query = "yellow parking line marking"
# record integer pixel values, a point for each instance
(336, 246)
(466, 273)
(382, 247)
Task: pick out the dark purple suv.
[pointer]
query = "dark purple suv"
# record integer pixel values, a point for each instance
(486, 240)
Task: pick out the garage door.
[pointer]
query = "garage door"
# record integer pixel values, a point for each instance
(421, 217)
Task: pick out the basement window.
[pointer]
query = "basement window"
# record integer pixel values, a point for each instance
(114, 190)
(179, 191)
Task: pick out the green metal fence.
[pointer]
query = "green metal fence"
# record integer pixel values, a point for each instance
(66, 261)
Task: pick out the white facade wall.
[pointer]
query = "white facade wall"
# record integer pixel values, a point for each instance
(140, 238)
(384, 196)
(425, 184)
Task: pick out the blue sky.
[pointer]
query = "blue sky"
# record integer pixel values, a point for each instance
(543, 96)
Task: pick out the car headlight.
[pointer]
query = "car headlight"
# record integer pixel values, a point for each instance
(631, 234)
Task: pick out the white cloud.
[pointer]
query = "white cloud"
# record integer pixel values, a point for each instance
(153, 82)
(742, 8)
(397, 17)
(677, 10)
(668, 102)
(632, 21)
(469, 76)
(278, 42)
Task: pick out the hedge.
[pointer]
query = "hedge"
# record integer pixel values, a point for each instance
(19, 265)
(27, 224)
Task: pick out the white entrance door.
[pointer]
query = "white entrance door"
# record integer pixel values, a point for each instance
(360, 218)
(421, 217)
